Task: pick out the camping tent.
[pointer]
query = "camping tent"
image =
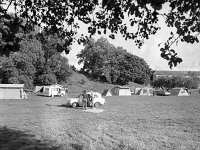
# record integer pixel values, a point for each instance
(179, 91)
(162, 92)
(38, 89)
(194, 92)
(146, 91)
(12, 91)
(50, 90)
(106, 92)
(121, 90)
(134, 87)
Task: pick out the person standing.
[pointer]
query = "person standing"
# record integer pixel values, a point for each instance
(85, 97)
(92, 97)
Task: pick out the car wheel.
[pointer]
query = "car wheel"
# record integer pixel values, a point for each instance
(97, 104)
(74, 105)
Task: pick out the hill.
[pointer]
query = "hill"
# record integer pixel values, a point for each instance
(78, 82)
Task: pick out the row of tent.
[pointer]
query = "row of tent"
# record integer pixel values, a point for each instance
(18, 91)
(125, 91)
(145, 91)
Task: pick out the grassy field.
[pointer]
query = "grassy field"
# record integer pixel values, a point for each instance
(127, 123)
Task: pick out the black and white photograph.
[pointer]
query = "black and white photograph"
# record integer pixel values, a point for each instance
(99, 75)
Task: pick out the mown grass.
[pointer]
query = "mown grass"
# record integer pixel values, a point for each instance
(127, 123)
(11, 139)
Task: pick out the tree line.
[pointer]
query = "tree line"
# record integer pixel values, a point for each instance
(103, 61)
(37, 62)
(191, 81)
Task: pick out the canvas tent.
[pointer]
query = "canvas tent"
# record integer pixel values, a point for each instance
(162, 91)
(194, 91)
(51, 90)
(38, 89)
(121, 91)
(12, 91)
(179, 91)
(145, 91)
(134, 87)
(106, 92)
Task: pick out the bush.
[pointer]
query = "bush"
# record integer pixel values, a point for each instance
(47, 79)
(176, 81)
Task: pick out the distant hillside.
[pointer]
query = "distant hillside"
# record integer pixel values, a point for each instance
(78, 82)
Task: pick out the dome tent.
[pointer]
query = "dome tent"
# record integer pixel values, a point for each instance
(179, 91)
(146, 91)
(106, 92)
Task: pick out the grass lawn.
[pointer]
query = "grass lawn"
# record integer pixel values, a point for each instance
(127, 123)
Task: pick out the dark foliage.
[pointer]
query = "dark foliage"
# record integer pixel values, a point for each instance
(36, 63)
(190, 82)
(103, 60)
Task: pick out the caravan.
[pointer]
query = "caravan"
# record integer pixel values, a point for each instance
(51, 90)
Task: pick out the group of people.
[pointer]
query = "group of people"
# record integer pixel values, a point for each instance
(87, 99)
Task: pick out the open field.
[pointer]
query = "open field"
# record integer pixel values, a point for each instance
(127, 123)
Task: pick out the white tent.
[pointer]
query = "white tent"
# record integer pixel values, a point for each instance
(121, 91)
(38, 89)
(179, 91)
(146, 91)
(51, 90)
(106, 92)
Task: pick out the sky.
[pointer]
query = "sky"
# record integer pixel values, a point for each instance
(150, 52)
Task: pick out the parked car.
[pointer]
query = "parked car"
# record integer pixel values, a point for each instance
(162, 93)
(76, 102)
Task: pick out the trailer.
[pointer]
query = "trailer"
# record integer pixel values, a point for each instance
(51, 90)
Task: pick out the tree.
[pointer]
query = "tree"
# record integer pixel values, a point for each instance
(47, 79)
(137, 69)
(9, 29)
(63, 17)
(101, 58)
(31, 64)
(56, 64)
(18, 69)
(60, 68)
(20, 66)
(177, 81)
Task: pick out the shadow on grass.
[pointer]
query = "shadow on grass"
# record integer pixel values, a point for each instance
(62, 105)
(11, 139)
(66, 106)
(42, 95)
(69, 106)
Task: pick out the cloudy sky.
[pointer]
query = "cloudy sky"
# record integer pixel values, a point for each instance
(190, 53)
